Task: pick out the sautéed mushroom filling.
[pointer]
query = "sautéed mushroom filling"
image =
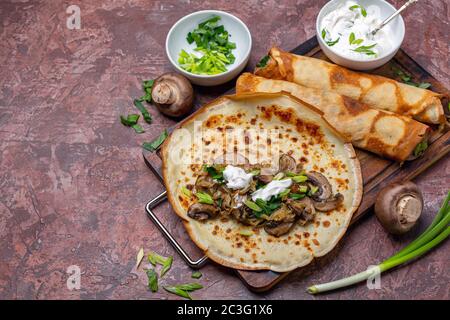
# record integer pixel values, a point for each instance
(275, 202)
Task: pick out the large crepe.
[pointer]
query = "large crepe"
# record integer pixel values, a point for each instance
(376, 91)
(303, 133)
(382, 132)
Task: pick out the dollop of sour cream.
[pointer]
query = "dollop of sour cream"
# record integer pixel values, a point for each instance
(347, 31)
(236, 177)
(273, 188)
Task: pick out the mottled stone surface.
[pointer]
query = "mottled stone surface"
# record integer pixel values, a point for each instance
(72, 180)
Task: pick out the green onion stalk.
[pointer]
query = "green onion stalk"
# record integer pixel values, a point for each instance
(436, 232)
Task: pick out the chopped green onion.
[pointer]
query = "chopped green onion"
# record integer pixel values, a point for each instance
(196, 275)
(299, 179)
(139, 257)
(332, 43)
(186, 191)
(437, 232)
(130, 120)
(204, 198)
(297, 196)
(253, 206)
(420, 148)
(183, 289)
(178, 292)
(351, 38)
(152, 280)
(155, 144)
(313, 190)
(147, 117)
(137, 128)
(284, 193)
(147, 87)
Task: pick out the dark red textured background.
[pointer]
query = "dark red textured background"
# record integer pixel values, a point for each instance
(72, 181)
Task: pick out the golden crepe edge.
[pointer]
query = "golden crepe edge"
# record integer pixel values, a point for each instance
(414, 132)
(357, 192)
(428, 109)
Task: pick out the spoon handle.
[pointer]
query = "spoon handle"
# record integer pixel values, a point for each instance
(392, 16)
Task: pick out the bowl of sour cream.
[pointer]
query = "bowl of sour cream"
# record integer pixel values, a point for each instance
(343, 32)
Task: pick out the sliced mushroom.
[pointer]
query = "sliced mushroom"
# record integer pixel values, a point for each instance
(304, 209)
(172, 94)
(202, 211)
(265, 178)
(277, 229)
(244, 215)
(224, 195)
(320, 181)
(282, 214)
(286, 164)
(205, 183)
(329, 204)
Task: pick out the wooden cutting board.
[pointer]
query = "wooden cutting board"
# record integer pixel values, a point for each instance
(377, 172)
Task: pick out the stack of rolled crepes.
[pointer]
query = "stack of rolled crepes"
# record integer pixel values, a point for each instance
(373, 112)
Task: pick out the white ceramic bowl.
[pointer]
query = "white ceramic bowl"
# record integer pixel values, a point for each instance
(398, 33)
(239, 34)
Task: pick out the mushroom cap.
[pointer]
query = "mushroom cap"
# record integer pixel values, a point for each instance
(172, 94)
(398, 207)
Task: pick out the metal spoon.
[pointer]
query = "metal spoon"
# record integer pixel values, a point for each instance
(392, 16)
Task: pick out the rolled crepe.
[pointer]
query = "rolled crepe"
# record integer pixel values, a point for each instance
(376, 91)
(381, 132)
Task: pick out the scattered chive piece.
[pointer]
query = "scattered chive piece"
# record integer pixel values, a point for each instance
(139, 257)
(152, 280)
(147, 117)
(137, 128)
(130, 120)
(147, 87)
(406, 78)
(186, 191)
(204, 198)
(166, 266)
(255, 172)
(324, 33)
(154, 145)
(420, 148)
(155, 259)
(183, 290)
(424, 85)
(178, 292)
(196, 275)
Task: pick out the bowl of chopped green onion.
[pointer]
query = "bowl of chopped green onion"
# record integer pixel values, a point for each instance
(209, 47)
